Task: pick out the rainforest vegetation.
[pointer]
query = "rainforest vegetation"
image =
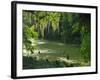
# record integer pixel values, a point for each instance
(56, 39)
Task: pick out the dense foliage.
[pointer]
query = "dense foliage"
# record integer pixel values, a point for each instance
(68, 28)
